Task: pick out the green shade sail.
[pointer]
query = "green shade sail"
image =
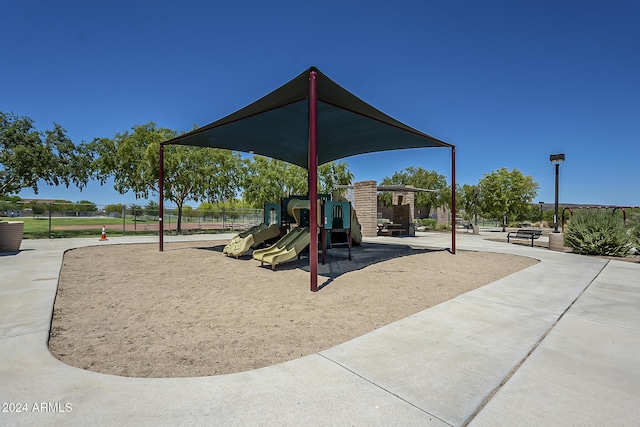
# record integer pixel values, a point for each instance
(277, 126)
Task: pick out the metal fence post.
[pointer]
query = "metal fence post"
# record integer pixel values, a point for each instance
(49, 220)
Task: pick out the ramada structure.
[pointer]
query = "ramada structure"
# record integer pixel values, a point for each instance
(309, 121)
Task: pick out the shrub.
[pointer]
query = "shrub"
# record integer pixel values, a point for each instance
(597, 233)
(635, 236)
(443, 227)
(427, 223)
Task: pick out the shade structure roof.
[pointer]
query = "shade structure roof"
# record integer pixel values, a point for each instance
(277, 126)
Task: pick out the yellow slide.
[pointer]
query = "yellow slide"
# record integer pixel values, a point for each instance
(356, 228)
(253, 237)
(289, 247)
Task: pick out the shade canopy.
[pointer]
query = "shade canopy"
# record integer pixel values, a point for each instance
(277, 126)
(308, 122)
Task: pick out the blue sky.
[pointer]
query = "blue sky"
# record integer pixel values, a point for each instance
(507, 82)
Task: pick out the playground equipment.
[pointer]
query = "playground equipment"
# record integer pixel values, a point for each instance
(251, 238)
(285, 249)
(294, 242)
(355, 229)
(334, 218)
(340, 225)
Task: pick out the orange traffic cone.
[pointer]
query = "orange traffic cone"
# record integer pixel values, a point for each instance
(104, 235)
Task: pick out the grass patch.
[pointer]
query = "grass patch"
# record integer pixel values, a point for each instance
(38, 228)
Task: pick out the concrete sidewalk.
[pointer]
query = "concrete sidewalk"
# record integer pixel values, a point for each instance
(555, 344)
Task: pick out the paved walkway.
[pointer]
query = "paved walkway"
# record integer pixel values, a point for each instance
(555, 344)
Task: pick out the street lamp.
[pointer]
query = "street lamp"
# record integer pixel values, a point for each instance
(541, 203)
(556, 159)
(476, 193)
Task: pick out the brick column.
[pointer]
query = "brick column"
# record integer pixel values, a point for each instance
(365, 201)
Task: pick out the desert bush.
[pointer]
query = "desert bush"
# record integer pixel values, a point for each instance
(427, 223)
(635, 236)
(597, 233)
(443, 227)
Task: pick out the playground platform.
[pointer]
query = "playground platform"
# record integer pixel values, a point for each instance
(555, 344)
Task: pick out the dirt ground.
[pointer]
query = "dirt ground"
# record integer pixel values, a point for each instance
(190, 311)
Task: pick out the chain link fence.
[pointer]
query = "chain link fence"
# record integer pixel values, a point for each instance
(50, 220)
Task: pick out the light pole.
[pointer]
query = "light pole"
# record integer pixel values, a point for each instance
(541, 203)
(476, 193)
(556, 159)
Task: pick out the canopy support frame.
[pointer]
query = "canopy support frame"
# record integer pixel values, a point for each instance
(313, 182)
(161, 197)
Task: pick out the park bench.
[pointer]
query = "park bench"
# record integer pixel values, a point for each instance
(529, 234)
(390, 229)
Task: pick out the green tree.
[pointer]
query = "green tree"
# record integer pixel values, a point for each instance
(38, 208)
(28, 156)
(268, 180)
(63, 206)
(206, 209)
(190, 173)
(467, 201)
(187, 211)
(86, 206)
(134, 209)
(506, 193)
(332, 174)
(151, 209)
(421, 178)
(115, 209)
(8, 204)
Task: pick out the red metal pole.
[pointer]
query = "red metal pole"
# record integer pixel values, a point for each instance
(160, 196)
(313, 183)
(453, 200)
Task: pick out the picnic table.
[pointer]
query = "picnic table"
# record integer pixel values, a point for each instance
(391, 229)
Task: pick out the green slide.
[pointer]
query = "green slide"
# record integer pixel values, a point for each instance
(253, 237)
(287, 248)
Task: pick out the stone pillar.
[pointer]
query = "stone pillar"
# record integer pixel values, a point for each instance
(556, 242)
(442, 216)
(365, 202)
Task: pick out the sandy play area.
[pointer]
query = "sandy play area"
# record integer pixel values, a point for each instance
(190, 311)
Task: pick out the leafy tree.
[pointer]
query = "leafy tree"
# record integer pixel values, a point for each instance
(332, 174)
(268, 180)
(28, 156)
(86, 206)
(114, 209)
(194, 173)
(206, 209)
(151, 209)
(134, 209)
(187, 211)
(506, 193)
(9, 203)
(38, 208)
(421, 178)
(63, 206)
(467, 201)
